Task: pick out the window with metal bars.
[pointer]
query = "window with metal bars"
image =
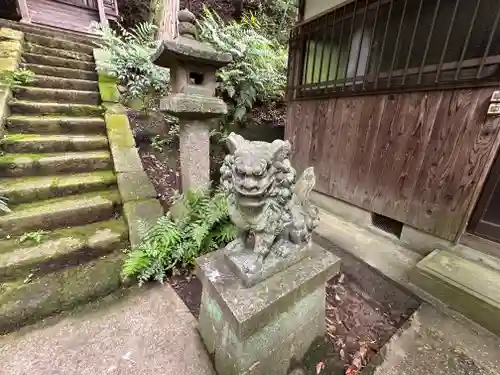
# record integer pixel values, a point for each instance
(390, 45)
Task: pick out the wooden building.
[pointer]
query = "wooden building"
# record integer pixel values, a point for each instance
(75, 15)
(391, 102)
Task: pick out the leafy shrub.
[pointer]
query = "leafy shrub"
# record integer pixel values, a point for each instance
(4, 207)
(21, 76)
(276, 16)
(258, 69)
(130, 54)
(203, 225)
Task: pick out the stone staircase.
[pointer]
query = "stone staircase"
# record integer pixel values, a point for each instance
(57, 172)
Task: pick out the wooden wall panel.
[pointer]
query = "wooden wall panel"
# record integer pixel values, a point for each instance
(419, 158)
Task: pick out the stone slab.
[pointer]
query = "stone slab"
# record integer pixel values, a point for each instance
(147, 211)
(434, 343)
(148, 332)
(135, 186)
(126, 159)
(193, 106)
(238, 260)
(466, 286)
(119, 132)
(249, 309)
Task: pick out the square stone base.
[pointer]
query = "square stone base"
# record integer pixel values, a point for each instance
(259, 330)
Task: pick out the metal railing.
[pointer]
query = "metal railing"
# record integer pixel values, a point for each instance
(396, 45)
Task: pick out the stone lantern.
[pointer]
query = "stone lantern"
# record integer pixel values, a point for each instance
(192, 77)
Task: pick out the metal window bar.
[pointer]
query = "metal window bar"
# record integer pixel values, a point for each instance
(468, 56)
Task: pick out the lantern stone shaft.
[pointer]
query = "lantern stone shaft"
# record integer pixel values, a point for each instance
(193, 66)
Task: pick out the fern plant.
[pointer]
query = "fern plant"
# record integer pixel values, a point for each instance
(130, 54)
(258, 70)
(21, 76)
(201, 225)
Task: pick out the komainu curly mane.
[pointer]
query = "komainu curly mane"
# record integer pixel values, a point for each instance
(271, 209)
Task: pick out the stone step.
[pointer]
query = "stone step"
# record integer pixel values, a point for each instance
(60, 212)
(36, 143)
(64, 83)
(57, 71)
(467, 286)
(25, 303)
(61, 248)
(62, 62)
(57, 42)
(55, 125)
(39, 94)
(56, 52)
(19, 165)
(37, 108)
(51, 32)
(31, 189)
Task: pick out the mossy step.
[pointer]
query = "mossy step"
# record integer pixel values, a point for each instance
(55, 125)
(19, 165)
(31, 189)
(25, 107)
(40, 94)
(41, 50)
(36, 143)
(22, 304)
(57, 42)
(57, 71)
(50, 32)
(61, 248)
(60, 212)
(33, 58)
(64, 83)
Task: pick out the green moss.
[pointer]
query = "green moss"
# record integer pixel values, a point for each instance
(25, 303)
(119, 132)
(111, 195)
(109, 92)
(19, 137)
(12, 159)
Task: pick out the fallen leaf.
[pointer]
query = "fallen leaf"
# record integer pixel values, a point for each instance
(319, 367)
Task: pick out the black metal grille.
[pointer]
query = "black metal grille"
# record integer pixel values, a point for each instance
(390, 45)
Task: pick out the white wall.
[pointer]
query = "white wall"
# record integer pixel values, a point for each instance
(314, 7)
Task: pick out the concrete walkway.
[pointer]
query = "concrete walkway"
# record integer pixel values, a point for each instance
(434, 343)
(148, 332)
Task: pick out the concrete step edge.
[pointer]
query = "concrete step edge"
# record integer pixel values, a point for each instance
(38, 143)
(60, 248)
(56, 61)
(29, 189)
(55, 213)
(26, 303)
(23, 165)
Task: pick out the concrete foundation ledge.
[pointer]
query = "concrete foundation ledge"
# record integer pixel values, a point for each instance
(466, 286)
(342, 209)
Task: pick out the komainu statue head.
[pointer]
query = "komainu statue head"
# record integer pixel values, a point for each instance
(270, 208)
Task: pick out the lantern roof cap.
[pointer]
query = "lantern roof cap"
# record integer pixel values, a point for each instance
(186, 48)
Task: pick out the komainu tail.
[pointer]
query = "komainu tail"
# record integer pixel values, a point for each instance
(304, 185)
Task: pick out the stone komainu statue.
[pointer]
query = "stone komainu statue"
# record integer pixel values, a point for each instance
(271, 210)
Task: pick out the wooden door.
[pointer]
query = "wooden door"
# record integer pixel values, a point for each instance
(485, 221)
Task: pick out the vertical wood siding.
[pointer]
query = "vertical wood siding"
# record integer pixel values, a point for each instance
(420, 158)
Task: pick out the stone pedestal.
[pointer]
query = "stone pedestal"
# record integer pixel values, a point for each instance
(259, 330)
(194, 154)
